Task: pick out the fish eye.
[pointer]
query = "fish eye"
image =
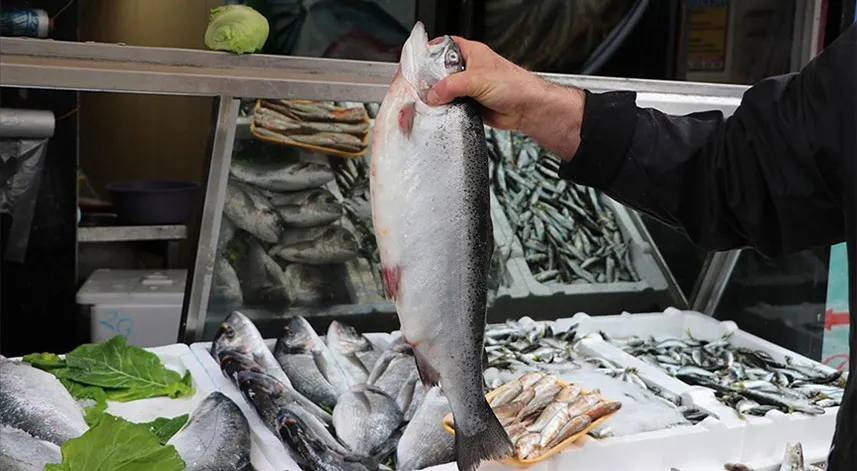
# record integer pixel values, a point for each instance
(453, 58)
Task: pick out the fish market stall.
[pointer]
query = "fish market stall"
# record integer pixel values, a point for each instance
(293, 340)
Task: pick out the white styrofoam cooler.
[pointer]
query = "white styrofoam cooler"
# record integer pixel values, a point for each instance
(145, 306)
(762, 438)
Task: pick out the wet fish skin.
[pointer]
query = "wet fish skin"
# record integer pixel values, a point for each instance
(793, 458)
(436, 271)
(335, 244)
(307, 285)
(20, 451)
(393, 369)
(36, 402)
(308, 208)
(225, 285)
(573, 426)
(227, 232)
(237, 334)
(365, 417)
(315, 446)
(425, 442)
(249, 210)
(307, 361)
(294, 176)
(269, 396)
(352, 350)
(261, 277)
(216, 437)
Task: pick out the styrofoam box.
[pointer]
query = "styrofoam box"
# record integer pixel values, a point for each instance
(145, 306)
(179, 358)
(763, 438)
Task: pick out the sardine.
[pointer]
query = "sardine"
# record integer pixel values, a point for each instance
(20, 451)
(238, 334)
(309, 208)
(573, 426)
(295, 176)
(334, 244)
(36, 402)
(425, 442)
(309, 364)
(793, 458)
(352, 350)
(269, 396)
(431, 216)
(216, 437)
(248, 209)
(364, 418)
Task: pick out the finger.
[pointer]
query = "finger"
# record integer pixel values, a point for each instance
(449, 88)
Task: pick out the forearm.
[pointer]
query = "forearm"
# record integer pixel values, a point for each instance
(554, 117)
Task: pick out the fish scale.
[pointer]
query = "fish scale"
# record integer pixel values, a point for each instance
(431, 216)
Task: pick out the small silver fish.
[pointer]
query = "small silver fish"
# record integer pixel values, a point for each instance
(282, 177)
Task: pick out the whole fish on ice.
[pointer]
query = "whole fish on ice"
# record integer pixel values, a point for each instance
(36, 402)
(430, 204)
(216, 437)
(238, 336)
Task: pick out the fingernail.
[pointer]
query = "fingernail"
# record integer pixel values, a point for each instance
(432, 98)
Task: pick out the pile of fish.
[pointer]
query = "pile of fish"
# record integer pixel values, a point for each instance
(37, 415)
(539, 413)
(341, 402)
(319, 124)
(567, 235)
(749, 381)
(280, 237)
(525, 343)
(352, 179)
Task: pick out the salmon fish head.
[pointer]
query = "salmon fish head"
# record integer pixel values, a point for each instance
(423, 64)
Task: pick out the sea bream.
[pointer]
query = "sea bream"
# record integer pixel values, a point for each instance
(430, 207)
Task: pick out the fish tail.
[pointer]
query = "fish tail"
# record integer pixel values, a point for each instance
(490, 443)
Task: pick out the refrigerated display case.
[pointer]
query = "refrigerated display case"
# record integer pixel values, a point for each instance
(355, 294)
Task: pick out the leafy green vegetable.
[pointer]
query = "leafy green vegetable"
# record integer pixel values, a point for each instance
(126, 372)
(118, 445)
(236, 28)
(164, 428)
(93, 398)
(94, 373)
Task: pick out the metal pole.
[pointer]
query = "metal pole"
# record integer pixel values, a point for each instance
(711, 284)
(201, 272)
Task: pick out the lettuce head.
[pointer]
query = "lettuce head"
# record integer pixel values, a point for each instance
(236, 28)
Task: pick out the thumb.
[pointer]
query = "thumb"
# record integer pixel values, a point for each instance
(449, 88)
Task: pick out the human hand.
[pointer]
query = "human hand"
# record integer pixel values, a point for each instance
(515, 99)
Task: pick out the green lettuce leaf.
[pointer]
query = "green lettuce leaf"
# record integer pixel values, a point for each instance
(164, 428)
(126, 372)
(45, 361)
(117, 445)
(93, 399)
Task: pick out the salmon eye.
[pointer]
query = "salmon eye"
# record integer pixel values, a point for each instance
(452, 59)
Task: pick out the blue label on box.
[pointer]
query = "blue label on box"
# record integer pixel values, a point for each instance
(836, 317)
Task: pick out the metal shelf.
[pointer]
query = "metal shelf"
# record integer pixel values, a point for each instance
(39, 63)
(130, 233)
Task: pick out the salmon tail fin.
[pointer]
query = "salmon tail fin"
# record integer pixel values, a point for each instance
(492, 443)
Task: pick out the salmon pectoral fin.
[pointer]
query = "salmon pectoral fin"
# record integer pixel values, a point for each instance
(428, 375)
(392, 275)
(406, 117)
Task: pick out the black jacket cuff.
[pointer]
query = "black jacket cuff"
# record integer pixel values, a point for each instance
(608, 126)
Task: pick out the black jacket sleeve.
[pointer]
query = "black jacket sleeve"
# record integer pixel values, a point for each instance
(771, 176)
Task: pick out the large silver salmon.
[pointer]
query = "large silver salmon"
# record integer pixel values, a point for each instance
(430, 208)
